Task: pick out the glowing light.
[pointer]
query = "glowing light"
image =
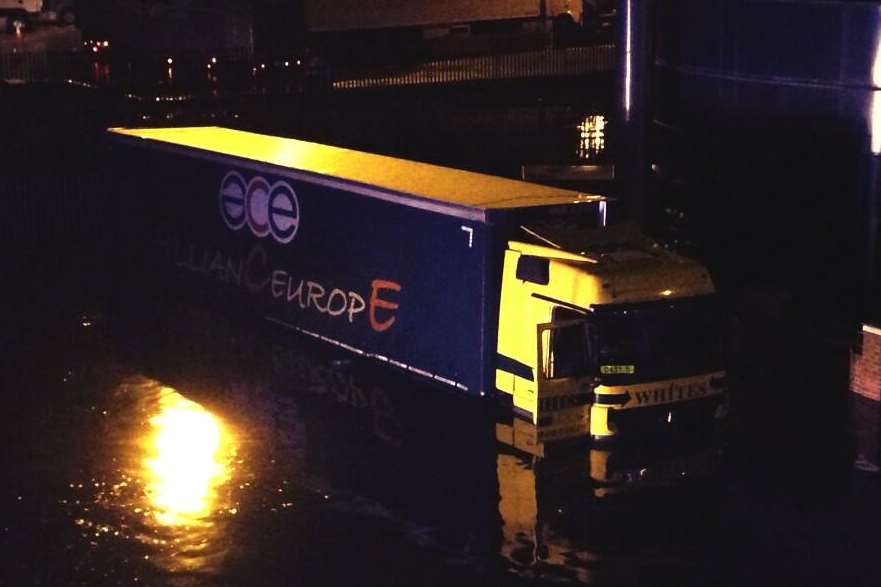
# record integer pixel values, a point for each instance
(214, 60)
(169, 61)
(185, 465)
(628, 59)
(875, 113)
(667, 292)
(287, 63)
(106, 44)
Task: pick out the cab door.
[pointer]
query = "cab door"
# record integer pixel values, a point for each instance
(565, 379)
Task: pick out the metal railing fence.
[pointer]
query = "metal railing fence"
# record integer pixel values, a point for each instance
(573, 61)
(246, 71)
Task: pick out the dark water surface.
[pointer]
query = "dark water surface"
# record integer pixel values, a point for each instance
(188, 446)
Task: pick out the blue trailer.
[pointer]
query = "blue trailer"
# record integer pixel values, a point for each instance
(476, 283)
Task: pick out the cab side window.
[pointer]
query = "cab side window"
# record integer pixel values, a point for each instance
(568, 347)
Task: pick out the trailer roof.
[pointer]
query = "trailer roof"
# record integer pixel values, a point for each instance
(420, 180)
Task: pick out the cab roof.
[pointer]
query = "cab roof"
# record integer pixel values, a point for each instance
(421, 180)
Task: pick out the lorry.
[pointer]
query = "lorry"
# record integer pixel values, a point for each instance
(21, 7)
(18, 12)
(484, 286)
(349, 33)
(433, 16)
(373, 31)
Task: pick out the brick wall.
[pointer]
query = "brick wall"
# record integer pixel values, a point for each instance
(865, 367)
(865, 405)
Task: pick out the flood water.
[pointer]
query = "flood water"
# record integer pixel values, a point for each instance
(185, 446)
(176, 442)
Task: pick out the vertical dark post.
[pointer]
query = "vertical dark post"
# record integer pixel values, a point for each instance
(634, 74)
(870, 208)
(870, 200)
(865, 381)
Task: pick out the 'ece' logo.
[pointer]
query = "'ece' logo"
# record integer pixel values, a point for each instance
(266, 209)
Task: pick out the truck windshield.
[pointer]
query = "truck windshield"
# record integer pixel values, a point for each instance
(657, 340)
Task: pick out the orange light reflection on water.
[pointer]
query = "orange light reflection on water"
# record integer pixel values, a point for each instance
(188, 454)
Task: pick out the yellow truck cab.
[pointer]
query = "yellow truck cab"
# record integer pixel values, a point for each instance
(600, 328)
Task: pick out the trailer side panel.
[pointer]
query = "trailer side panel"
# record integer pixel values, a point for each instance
(399, 284)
